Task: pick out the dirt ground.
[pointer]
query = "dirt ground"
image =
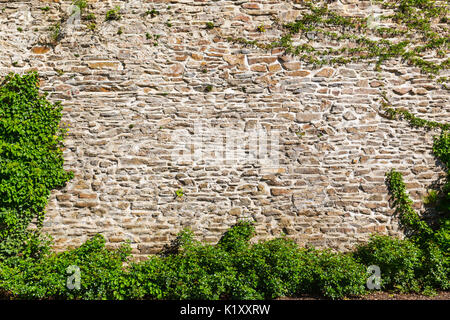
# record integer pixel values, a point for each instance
(443, 295)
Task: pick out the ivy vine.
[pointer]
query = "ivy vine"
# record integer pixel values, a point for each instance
(31, 160)
(421, 32)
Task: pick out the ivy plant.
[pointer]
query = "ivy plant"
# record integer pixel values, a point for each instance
(31, 159)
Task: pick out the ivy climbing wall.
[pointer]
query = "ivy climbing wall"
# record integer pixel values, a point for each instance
(133, 79)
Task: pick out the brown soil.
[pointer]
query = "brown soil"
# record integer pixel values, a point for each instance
(443, 295)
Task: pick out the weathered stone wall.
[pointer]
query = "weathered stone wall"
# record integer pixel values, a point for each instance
(126, 95)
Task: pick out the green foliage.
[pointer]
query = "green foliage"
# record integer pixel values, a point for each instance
(398, 260)
(406, 265)
(238, 237)
(341, 275)
(81, 4)
(55, 32)
(113, 14)
(209, 25)
(408, 217)
(279, 268)
(153, 13)
(441, 147)
(101, 270)
(179, 193)
(434, 268)
(411, 18)
(232, 269)
(90, 17)
(227, 270)
(434, 243)
(31, 159)
(196, 272)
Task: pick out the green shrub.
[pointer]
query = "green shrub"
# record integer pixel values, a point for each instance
(442, 237)
(340, 275)
(435, 269)
(238, 237)
(279, 268)
(265, 270)
(102, 275)
(198, 272)
(399, 261)
(404, 265)
(414, 226)
(31, 160)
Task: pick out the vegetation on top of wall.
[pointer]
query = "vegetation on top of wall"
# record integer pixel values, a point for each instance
(416, 36)
(412, 119)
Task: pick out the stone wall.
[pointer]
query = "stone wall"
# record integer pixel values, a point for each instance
(127, 96)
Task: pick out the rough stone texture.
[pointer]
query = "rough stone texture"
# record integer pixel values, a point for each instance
(123, 91)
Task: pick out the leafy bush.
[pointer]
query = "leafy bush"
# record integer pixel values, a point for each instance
(442, 237)
(267, 270)
(101, 273)
(405, 266)
(439, 250)
(398, 260)
(238, 237)
(341, 275)
(435, 270)
(279, 268)
(264, 270)
(196, 271)
(31, 161)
